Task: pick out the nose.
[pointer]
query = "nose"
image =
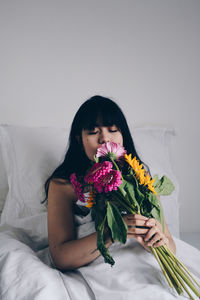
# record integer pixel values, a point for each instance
(104, 137)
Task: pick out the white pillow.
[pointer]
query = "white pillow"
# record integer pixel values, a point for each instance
(3, 182)
(31, 154)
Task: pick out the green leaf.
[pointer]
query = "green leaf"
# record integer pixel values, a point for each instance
(154, 200)
(98, 213)
(116, 223)
(158, 215)
(156, 180)
(164, 186)
(102, 248)
(130, 195)
(156, 211)
(146, 206)
(134, 186)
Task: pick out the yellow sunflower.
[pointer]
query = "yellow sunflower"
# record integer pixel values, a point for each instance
(143, 177)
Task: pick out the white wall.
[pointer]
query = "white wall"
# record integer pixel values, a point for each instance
(54, 54)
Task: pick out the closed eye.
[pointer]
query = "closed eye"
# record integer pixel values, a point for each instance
(113, 128)
(92, 132)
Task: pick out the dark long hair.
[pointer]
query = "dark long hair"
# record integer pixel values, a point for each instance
(100, 109)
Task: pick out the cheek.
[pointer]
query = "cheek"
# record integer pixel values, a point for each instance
(120, 139)
(86, 144)
(89, 148)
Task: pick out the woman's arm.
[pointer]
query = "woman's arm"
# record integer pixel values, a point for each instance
(67, 252)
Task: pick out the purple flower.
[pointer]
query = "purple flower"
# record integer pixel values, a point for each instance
(77, 187)
(108, 182)
(111, 149)
(103, 177)
(98, 170)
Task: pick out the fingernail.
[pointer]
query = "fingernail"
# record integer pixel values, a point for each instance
(149, 223)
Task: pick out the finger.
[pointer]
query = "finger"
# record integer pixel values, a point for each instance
(162, 242)
(131, 236)
(156, 238)
(141, 241)
(151, 232)
(135, 217)
(153, 222)
(137, 230)
(134, 222)
(140, 217)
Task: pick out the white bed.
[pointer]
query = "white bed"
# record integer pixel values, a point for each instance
(27, 158)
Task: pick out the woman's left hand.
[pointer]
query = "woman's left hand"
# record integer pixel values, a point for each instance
(155, 236)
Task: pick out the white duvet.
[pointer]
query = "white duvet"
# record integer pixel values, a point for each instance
(26, 271)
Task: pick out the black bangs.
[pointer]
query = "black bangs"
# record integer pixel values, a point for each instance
(100, 119)
(99, 111)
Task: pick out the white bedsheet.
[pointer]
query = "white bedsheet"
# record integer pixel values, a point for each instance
(26, 271)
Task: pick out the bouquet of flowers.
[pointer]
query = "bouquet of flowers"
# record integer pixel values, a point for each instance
(118, 185)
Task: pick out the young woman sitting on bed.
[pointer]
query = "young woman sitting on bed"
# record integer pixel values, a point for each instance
(97, 121)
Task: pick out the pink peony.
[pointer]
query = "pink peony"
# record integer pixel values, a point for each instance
(108, 182)
(77, 187)
(113, 150)
(104, 177)
(98, 170)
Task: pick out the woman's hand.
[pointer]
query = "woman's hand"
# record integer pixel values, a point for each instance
(155, 236)
(148, 232)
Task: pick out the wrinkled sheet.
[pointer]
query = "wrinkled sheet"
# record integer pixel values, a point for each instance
(26, 271)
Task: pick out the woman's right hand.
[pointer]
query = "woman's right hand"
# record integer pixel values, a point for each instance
(137, 228)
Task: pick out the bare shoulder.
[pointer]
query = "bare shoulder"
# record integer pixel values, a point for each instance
(61, 189)
(61, 197)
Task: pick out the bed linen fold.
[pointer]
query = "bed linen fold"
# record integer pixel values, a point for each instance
(27, 271)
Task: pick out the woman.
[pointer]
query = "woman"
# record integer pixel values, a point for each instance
(97, 121)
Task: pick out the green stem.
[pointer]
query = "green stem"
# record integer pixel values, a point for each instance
(161, 266)
(116, 166)
(128, 209)
(128, 204)
(178, 290)
(185, 288)
(188, 282)
(137, 208)
(169, 268)
(171, 254)
(172, 266)
(182, 274)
